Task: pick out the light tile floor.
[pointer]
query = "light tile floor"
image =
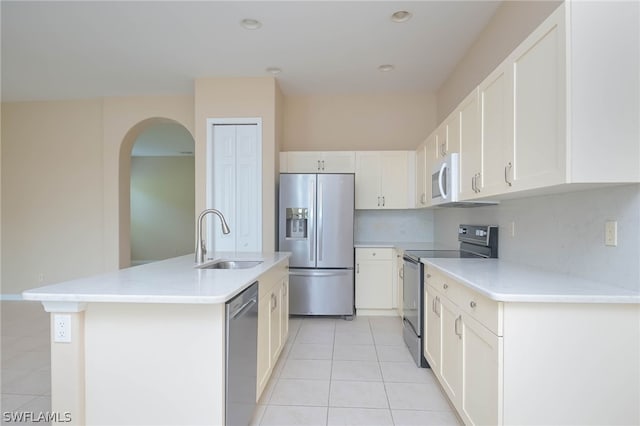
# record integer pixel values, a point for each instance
(26, 360)
(331, 372)
(336, 372)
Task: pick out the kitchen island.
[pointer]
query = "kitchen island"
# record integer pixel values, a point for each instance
(147, 343)
(514, 344)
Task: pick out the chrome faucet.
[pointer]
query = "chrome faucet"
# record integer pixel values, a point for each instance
(201, 250)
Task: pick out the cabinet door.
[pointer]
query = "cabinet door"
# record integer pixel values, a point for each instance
(496, 108)
(394, 178)
(374, 284)
(264, 344)
(338, 162)
(470, 147)
(451, 361)
(433, 327)
(482, 367)
(303, 162)
(275, 324)
(421, 175)
(539, 108)
(441, 141)
(367, 180)
(284, 310)
(453, 133)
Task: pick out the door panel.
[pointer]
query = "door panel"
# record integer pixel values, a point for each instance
(321, 292)
(335, 204)
(298, 191)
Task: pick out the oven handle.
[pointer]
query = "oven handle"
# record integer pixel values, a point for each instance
(411, 260)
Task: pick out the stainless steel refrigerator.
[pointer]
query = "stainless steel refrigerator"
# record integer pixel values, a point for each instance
(316, 225)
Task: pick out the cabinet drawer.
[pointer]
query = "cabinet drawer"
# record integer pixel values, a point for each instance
(270, 279)
(374, 253)
(444, 284)
(486, 311)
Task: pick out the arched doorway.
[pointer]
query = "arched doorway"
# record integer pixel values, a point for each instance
(157, 192)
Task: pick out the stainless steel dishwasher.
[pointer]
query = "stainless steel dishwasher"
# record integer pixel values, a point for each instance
(241, 357)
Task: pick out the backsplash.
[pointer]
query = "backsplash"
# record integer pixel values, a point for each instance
(393, 226)
(563, 232)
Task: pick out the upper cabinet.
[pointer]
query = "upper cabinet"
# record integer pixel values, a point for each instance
(557, 107)
(382, 179)
(448, 135)
(317, 162)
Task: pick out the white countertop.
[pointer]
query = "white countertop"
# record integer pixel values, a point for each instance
(403, 245)
(168, 281)
(510, 282)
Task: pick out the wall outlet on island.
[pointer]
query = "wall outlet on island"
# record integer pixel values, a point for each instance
(62, 328)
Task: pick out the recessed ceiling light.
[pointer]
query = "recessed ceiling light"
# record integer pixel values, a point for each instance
(250, 24)
(401, 16)
(274, 70)
(386, 68)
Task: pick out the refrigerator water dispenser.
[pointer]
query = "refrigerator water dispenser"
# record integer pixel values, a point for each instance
(297, 222)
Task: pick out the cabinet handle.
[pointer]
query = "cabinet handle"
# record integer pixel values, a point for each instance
(433, 305)
(318, 165)
(323, 165)
(473, 183)
(422, 198)
(458, 320)
(507, 170)
(357, 268)
(383, 201)
(472, 304)
(402, 272)
(445, 286)
(437, 306)
(477, 186)
(378, 201)
(274, 302)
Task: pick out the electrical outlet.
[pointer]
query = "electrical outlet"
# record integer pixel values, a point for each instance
(62, 328)
(611, 233)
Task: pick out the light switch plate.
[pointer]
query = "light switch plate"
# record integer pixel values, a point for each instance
(611, 233)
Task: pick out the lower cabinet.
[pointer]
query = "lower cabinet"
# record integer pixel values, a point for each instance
(532, 363)
(273, 322)
(464, 355)
(375, 280)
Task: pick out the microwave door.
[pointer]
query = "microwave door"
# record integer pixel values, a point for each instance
(442, 181)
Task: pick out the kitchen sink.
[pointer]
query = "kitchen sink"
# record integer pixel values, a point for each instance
(232, 264)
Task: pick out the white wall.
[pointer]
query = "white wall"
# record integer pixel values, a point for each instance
(563, 232)
(402, 226)
(162, 207)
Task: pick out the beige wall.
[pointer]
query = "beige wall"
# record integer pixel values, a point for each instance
(61, 184)
(52, 192)
(162, 207)
(237, 98)
(358, 122)
(511, 24)
(123, 120)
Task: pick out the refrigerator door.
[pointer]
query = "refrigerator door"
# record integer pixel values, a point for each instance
(335, 207)
(297, 218)
(321, 291)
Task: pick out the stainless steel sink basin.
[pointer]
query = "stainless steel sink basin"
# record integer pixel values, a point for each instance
(232, 264)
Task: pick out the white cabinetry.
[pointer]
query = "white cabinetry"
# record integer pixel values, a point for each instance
(382, 179)
(463, 346)
(550, 111)
(421, 175)
(375, 281)
(317, 162)
(273, 321)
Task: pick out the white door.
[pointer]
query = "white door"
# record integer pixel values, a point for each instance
(470, 148)
(368, 180)
(394, 179)
(237, 187)
(451, 361)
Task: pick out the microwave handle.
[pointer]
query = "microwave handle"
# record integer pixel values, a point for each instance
(442, 169)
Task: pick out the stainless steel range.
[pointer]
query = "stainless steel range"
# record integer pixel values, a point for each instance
(476, 241)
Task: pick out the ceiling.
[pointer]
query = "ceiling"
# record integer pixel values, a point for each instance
(85, 49)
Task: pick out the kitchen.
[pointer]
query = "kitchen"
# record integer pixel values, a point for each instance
(560, 232)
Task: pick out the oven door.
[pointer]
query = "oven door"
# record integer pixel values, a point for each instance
(411, 295)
